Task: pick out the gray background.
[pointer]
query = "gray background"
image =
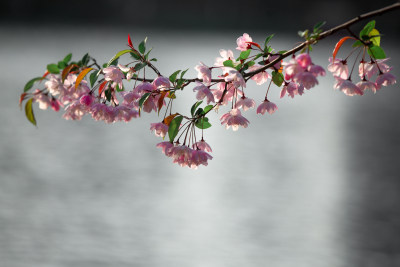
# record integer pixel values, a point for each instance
(315, 184)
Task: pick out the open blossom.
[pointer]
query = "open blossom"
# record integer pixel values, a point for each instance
(75, 111)
(245, 103)
(385, 79)
(124, 113)
(347, 87)
(204, 73)
(304, 60)
(86, 100)
(203, 92)
(292, 89)
(316, 70)
(181, 155)
(307, 79)
(143, 88)
(260, 77)
(160, 129)
(184, 155)
(70, 94)
(129, 71)
(54, 84)
(339, 68)
(235, 119)
(166, 147)
(103, 112)
(202, 145)
(114, 75)
(371, 68)
(43, 99)
(199, 157)
(232, 75)
(225, 55)
(243, 42)
(292, 68)
(161, 83)
(55, 104)
(366, 85)
(266, 106)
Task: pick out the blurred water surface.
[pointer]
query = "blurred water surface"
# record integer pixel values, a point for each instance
(316, 184)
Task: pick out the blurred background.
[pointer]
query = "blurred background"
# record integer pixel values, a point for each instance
(315, 184)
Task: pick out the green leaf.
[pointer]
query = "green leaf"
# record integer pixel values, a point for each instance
(153, 59)
(199, 112)
(238, 67)
(202, 123)
(268, 39)
(93, 77)
(108, 94)
(174, 127)
(142, 46)
(319, 25)
(195, 106)
(282, 52)
(52, 68)
(228, 63)
(277, 78)
(140, 66)
(29, 84)
(85, 59)
(258, 56)
(367, 29)
(67, 58)
(172, 78)
(29, 112)
(143, 99)
(183, 73)
(61, 65)
(208, 108)
(135, 55)
(147, 54)
(245, 54)
(117, 55)
(250, 63)
(357, 43)
(376, 52)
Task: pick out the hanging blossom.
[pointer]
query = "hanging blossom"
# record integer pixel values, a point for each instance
(266, 106)
(225, 55)
(114, 75)
(160, 129)
(204, 73)
(203, 92)
(233, 76)
(235, 119)
(243, 42)
(261, 77)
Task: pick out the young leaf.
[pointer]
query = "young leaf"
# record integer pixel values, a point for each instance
(183, 73)
(29, 84)
(135, 55)
(268, 39)
(367, 29)
(376, 52)
(161, 101)
(168, 119)
(174, 128)
(202, 123)
(357, 43)
(93, 77)
(67, 58)
(375, 38)
(172, 78)
(140, 66)
(67, 70)
(147, 54)
(142, 46)
(195, 106)
(61, 65)
(101, 87)
(198, 112)
(85, 59)
(52, 68)
(228, 63)
(245, 54)
(339, 44)
(29, 112)
(208, 108)
(277, 78)
(81, 76)
(319, 25)
(117, 55)
(130, 42)
(143, 99)
(21, 99)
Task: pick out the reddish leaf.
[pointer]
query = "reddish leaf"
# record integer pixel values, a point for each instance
(255, 44)
(67, 70)
(168, 119)
(102, 87)
(161, 101)
(22, 98)
(339, 44)
(130, 42)
(44, 75)
(81, 76)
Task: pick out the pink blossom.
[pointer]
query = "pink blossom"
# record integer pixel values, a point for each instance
(114, 75)
(43, 99)
(87, 100)
(55, 104)
(235, 119)
(202, 145)
(338, 68)
(260, 77)
(162, 83)
(292, 89)
(181, 155)
(166, 148)
(204, 73)
(245, 103)
(292, 68)
(130, 99)
(129, 71)
(160, 129)
(365, 85)
(103, 112)
(242, 42)
(347, 87)
(271, 58)
(370, 68)
(143, 88)
(199, 157)
(202, 92)
(304, 60)
(266, 106)
(124, 113)
(232, 75)
(385, 79)
(150, 104)
(231, 90)
(307, 79)
(75, 111)
(54, 85)
(316, 70)
(70, 94)
(225, 55)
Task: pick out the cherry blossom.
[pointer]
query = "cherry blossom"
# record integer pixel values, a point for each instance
(243, 42)
(160, 129)
(235, 119)
(266, 106)
(202, 145)
(225, 55)
(204, 73)
(347, 87)
(260, 77)
(385, 79)
(245, 103)
(114, 75)
(203, 92)
(232, 75)
(339, 68)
